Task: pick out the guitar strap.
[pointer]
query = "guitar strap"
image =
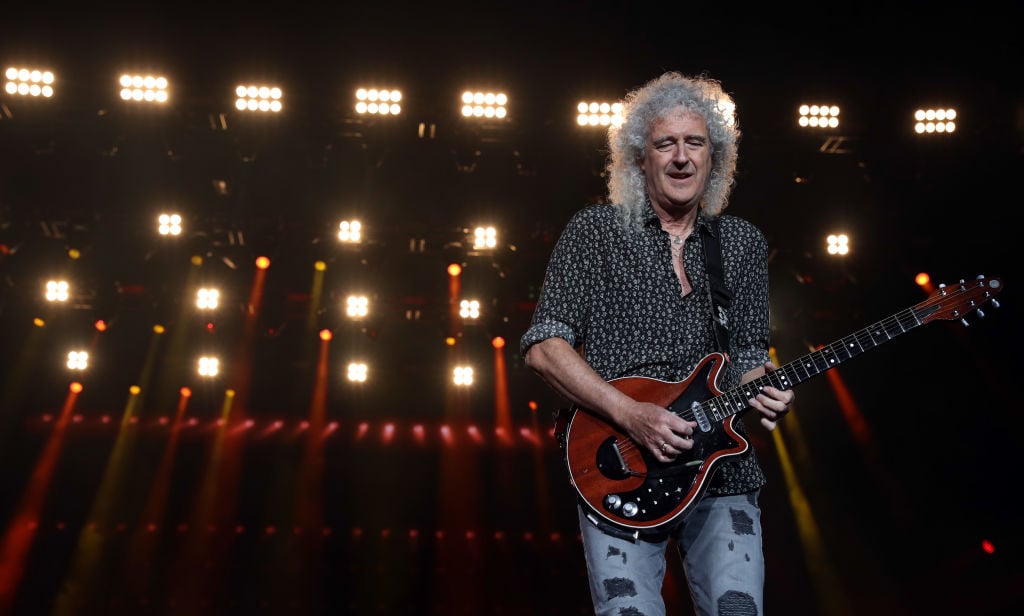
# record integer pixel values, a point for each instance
(721, 296)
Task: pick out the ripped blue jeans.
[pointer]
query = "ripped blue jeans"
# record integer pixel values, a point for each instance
(720, 544)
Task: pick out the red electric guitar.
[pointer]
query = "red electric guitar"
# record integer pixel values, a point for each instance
(624, 485)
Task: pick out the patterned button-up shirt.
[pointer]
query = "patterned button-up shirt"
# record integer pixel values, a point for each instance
(612, 293)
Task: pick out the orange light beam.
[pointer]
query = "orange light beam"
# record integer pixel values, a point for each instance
(308, 496)
(142, 548)
(454, 290)
(22, 528)
(863, 437)
(203, 551)
(459, 498)
(307, 502)
(502, 410)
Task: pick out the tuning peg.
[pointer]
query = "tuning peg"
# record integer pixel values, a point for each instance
(981, 313)
(995, 302)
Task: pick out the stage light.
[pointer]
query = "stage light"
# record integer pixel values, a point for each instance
(454, 269)
(57, 291)
(209, 366)
(266, 99)
(489, 105)
(169, 224)
(485, 237)
(357, 372)
(498, 342)
(350, 231)
(262, 263)
(469, 309)
(818, 116)
(357, 306)
(934, 121)
(378, 102)
(838, 244)
(462, 376)
(207, 299)
(325, 334)
(144, 89)
(78, 360)
(29, 82)
(594, 114)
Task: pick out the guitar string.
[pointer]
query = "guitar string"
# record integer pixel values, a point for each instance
(904, 320)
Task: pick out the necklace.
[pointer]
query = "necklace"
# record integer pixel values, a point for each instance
(676, 246)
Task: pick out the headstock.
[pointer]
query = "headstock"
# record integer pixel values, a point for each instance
(955, 301)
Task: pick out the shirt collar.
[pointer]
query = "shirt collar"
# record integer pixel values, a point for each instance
(651, 219)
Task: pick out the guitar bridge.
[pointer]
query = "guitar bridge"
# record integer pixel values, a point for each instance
(622, 461)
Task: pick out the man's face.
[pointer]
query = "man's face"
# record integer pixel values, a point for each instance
(678, 160)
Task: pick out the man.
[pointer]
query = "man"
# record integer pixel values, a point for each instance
(627, 294)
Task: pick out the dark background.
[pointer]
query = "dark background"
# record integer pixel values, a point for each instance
(898, 501)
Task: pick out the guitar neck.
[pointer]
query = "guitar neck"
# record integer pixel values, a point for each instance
(948, 302)
(825, 358)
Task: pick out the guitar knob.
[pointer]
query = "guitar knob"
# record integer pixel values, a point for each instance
(630, 509)
(613, 502)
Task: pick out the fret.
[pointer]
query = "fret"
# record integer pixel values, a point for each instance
(841, 352)
(908, 320)
(736, 402)
(778, 380)
(800, 367)
(865, 340)
(716, 411)
(824, 359)
(878, 334)
(893, 327)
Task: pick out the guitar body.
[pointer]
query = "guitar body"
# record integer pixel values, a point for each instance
(622, 482)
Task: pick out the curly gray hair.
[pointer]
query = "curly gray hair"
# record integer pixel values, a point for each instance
(702, 95)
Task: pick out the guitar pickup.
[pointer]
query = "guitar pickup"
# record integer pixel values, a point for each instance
(700, 417)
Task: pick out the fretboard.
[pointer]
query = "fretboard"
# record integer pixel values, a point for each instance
(811, 365)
